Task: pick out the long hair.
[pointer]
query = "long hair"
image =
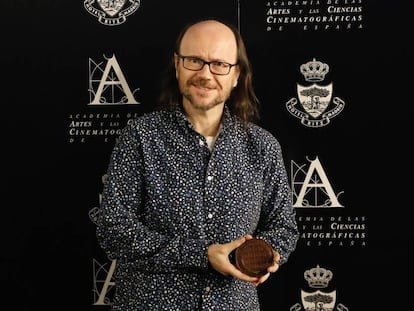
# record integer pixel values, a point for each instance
(242, 102)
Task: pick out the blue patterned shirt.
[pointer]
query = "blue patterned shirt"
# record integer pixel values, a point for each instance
(167, 198)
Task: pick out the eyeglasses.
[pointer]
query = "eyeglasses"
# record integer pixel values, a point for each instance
(196, 64)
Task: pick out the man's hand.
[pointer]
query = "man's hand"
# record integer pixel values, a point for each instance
(218, 256)
(273, 268)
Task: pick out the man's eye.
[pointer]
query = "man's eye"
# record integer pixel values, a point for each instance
(220, 64)
(195, 60)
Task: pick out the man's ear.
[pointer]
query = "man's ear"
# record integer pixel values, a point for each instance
(236, 78)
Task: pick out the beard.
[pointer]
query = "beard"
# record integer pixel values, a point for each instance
(202, 106)
(199, 101)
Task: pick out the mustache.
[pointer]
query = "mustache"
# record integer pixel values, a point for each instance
(200, 82)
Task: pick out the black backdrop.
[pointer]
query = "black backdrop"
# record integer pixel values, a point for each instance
(54, 168)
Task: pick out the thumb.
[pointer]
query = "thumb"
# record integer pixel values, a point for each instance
(236, 243)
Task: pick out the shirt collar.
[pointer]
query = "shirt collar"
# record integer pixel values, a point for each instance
(227, 119)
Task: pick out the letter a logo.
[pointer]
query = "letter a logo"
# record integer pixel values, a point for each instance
(108, 86)
(311, 187)
(103, 286)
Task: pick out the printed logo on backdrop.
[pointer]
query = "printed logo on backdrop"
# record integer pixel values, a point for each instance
(109, 91)
(311, 187)
(315, 106)
(103, 276)
(314, 15)
(111, 12)
(107, 84)
(327, 224)
(318, 297)
(103, 273)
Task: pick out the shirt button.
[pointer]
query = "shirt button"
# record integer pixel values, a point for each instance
(201, 142)
(207, 289)
(209, 177)
(210, 215)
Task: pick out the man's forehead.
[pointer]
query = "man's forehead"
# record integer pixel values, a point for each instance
(209, 37)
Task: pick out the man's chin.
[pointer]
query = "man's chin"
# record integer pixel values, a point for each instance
(205, 106)
(203, 103)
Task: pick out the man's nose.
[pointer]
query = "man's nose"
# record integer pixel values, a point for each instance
(205, 69)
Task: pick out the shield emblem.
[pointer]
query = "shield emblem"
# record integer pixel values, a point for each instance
(314, 98)
(318, 300)
(111, 7)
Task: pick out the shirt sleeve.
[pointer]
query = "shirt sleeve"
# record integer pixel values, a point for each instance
(120, 230)
(277, 223)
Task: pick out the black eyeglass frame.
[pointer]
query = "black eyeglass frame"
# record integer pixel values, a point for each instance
(208, 64)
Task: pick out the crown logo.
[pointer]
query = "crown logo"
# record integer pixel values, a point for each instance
(318, 277)
(314, 70)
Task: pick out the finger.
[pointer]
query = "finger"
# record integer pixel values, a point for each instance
(261, 280)
(276, 257)
(273, 268)
(236, 243)
(233, 271)
(248, 236)
(241, 276)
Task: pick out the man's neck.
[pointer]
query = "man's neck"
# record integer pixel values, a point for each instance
(205, 122)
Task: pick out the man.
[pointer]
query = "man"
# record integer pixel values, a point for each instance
(192, 181)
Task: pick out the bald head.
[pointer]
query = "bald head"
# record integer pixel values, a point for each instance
(210, 40)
